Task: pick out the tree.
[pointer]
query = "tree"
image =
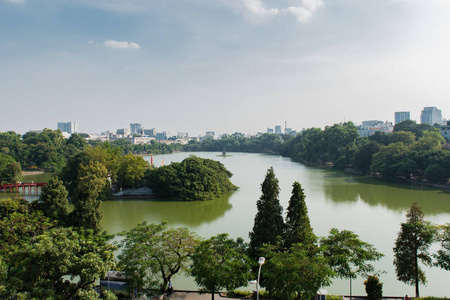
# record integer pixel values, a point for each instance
(347, 255)
(149, 250)
(443, 255)
(363, 156)
(41, 268)
(298, 227)
(295, 273)
(374, 288)
(411, 247)
(131, 171)
(91, 181)
(268, 226)
(53, 200)
(12, 173)
(220, 263)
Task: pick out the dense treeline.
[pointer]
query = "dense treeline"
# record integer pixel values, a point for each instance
(49, 150)
(267, 143)
(412, 150)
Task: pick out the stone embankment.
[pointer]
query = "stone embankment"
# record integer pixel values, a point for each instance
(135, 193)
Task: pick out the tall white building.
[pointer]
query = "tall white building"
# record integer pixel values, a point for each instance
(278, 129)
(68, 127)
(431, 115)
(401, 116)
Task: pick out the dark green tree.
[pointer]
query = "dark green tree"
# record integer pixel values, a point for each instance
(298, 227)
(374, 288)
(443, 254)
(268, 226)
(12, 173)
(91, 181)
(53, 200)
(220, 263)
(411, 248)
(363, 156)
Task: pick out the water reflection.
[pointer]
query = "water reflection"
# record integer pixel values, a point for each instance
(345, 188)
(121, 215)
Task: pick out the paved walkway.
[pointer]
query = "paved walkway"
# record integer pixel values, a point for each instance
(193, 296)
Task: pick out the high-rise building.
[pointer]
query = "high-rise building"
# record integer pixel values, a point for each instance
(123, 131)
(401, 116)
(68, 127)
(149, 132)
(277, 129)
(431, 115)
(135, 128)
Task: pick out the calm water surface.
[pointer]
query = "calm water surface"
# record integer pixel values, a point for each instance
(370, 208)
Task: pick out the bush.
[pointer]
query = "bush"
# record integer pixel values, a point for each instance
(333, 297)
(238, 294)
(374, 288)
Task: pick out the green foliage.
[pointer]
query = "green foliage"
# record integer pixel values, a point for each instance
(295, 274)
(363, 156)
(220, 263)
(443, 254)
(53, 200)
(268, 227)
(238, 294)
(131, 171)
(91, 181)
(193, 179)
(298, 227)
(417, 129)
(11, 174)
(405, 137)
(394, 161)
(149, 250)
(437, 173)
(333, 297)
(411, 247)
(374, 288)
(19, 224)
(347, 255)
(38, 267)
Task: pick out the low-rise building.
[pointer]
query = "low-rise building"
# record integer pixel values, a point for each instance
(370, 127)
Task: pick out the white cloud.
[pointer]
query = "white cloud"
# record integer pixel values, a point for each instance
(121, 45)
(305, 11)
(257, 7)
(15, 1)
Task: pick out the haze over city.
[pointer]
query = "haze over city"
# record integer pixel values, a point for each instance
(225, 66)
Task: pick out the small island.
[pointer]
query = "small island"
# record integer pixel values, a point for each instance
(192, 179)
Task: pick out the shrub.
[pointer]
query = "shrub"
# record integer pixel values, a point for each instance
(374, 288)
(333, 297)
(238, 294)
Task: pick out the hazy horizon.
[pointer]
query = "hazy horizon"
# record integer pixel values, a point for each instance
(224, 66)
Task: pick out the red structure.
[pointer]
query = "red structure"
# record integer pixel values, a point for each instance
(22, 185)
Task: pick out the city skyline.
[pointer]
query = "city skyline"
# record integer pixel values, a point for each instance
(224, 66)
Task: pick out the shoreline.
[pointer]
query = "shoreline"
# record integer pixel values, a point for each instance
(28, 173)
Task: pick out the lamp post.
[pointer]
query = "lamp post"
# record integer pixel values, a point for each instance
(261, 262)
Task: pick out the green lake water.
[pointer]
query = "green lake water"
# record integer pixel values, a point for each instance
(372, 209)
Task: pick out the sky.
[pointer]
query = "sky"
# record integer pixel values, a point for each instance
(220, 65)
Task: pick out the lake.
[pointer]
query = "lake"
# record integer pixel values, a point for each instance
(371, 208)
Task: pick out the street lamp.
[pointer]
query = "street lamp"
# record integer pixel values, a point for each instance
(261, 262)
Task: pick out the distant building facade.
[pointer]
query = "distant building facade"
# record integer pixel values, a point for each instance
(370, 127)
(68, 127)
(278, 129)
(431, 115)
(269, 130)
(401, 116)
(135, 128)
(445, 131)
(124, 132)
(149, 132)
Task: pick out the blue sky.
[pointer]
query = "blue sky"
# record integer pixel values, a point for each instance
(220, 65)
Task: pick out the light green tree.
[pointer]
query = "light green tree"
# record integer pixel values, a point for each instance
(295, 273)
(220, 263)
(41, 269)
(443, 254)
(152, 254)
(412, 246)
(131, 171)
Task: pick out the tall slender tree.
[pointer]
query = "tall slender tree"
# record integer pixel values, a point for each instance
(411, 247)
(268, 227)
(298, 227)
